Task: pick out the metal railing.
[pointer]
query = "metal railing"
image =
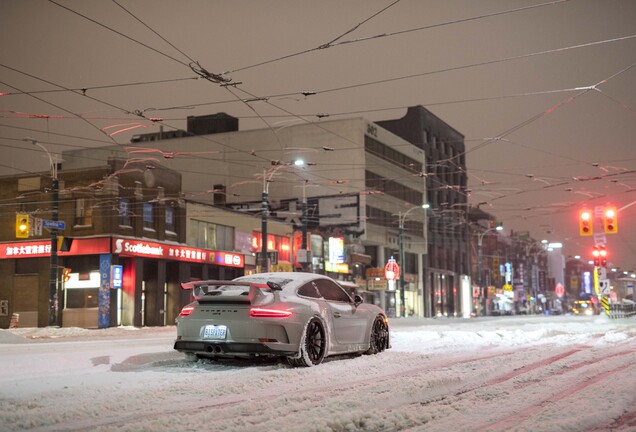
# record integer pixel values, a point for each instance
(622, 311)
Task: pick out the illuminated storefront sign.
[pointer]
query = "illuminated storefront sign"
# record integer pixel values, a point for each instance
(42, 248)
(336, 250)
(336, 268)
(132, 247)
(123, 247)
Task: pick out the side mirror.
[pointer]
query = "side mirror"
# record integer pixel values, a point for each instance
(357, 300)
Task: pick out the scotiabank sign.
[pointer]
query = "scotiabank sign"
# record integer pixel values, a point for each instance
(140, 248)
(123, 247)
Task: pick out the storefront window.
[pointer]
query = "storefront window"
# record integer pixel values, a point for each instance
(77, 298)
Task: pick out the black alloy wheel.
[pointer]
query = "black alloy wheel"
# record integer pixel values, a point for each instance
(379, 336)
(316, 341)
(313, 347)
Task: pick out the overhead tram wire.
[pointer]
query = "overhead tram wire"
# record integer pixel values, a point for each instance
(384, 35)
(540, 115)
(473, 65)
(118, 32)
(421, 74)
(52, 104)
(193, 65)
(354, 28)
(153, 31)
(84, 90)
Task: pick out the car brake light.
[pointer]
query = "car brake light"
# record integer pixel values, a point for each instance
(269, 313)
(186, 311)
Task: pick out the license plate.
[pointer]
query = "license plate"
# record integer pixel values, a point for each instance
(214, 332)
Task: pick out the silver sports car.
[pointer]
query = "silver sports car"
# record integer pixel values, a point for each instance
(303, 317)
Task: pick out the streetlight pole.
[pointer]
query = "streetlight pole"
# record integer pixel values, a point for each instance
(401, 219)
(303, 245)
(264, 210)
(480, 240)
(53, 279)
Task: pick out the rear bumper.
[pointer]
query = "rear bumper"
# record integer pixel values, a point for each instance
(228, 349)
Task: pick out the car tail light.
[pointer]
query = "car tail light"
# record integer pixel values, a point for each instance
(269, 313)
(186, 311)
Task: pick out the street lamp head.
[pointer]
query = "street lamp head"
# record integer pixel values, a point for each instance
(426, 206)
(499, 228)
(31, 140)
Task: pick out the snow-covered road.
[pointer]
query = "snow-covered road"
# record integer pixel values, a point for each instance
(508, 373)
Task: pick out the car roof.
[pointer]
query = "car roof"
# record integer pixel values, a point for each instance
(295, 279)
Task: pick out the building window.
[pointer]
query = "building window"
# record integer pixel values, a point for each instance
(375, 181)
(83, 212)
(125, 212)
(170, 223)
(211, 236)
(391, 155)
(149, 215)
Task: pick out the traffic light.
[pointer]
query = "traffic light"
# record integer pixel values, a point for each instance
(585, 223)
(610, 222)
(22, 225)
(66, 274)
(603, 255)
(596, 254)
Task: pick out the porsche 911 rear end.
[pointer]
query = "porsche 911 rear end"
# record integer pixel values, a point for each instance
(236, 320)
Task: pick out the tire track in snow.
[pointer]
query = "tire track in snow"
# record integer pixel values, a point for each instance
(298, 388)
(518, 416)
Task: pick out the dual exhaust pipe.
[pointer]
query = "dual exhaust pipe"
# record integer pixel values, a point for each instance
(214, 349)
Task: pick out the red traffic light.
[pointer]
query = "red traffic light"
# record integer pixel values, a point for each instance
(600, 256)
(610, 224)
(603, 255)
(585, 223)
(596, 254)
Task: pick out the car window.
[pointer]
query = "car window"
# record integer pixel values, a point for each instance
(309, 290)
(332, 291)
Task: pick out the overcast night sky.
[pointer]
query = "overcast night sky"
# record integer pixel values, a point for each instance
(543, 91)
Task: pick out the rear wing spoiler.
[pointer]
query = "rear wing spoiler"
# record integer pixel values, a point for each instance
(245, 292)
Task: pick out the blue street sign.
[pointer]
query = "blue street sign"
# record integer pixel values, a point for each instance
(50, 224)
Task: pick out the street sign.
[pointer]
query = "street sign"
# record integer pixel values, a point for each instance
(604, 286)
(51, 224)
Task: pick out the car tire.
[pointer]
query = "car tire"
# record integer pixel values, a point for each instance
(313, 345)
(379, 338)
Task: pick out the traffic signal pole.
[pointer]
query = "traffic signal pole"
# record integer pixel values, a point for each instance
(53, 297)
(55, 199)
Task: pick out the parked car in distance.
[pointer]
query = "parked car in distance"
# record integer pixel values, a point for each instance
(301, 317)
